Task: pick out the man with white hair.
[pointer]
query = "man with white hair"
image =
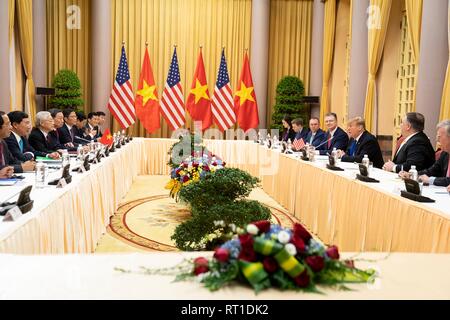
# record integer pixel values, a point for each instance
(40, 139)
(439, 173)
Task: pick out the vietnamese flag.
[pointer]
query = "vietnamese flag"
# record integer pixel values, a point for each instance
(107, 138)
(245, 105)
(147, 104)
(198, 102)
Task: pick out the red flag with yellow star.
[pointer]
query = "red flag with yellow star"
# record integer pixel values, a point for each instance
(147, 103)
(245, 105)
(107, 138)
(198, 101)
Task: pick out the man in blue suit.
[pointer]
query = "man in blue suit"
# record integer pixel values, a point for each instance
(336, 137)
(300, 131)
(316, 136)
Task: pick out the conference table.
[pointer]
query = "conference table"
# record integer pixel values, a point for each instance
(337, 208)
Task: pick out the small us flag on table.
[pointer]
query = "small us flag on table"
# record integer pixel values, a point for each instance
(121, 101)
(298, 144)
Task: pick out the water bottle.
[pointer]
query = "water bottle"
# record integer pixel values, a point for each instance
(275, 142)
(366, 161)
(65, 158)
(289, 144)
(413, 173)
(80, 153)
(40, 174)
(334, 154)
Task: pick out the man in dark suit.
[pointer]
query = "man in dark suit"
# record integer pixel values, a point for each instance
(67, 132)
(316, 136)
(40, 138)
(18, 143)
(361, 143)
(300, 131)
(101, 121)
(6, 158)
(92, 126)
(335, 136)
(439, 173)
(416, 149)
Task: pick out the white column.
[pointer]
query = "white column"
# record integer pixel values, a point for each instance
(101, 56)
(39, 48)
(4, 57)
(432, 62)
(359, 68)
(315, 83)
(259, 59)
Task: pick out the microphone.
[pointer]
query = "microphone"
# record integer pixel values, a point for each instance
(82, 139)
(326, 141)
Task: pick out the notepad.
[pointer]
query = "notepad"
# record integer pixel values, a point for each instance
(48, 160)
(8, 182)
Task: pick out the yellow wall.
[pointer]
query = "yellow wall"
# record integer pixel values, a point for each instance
(338, 75)
(387, 75)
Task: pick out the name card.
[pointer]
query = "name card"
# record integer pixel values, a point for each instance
(13, 214)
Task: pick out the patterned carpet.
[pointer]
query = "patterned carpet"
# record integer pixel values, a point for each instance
(147, 218)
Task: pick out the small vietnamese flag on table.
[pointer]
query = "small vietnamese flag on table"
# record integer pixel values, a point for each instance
(147, 103)
(107, 138)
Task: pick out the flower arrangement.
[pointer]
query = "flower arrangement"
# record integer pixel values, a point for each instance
(193, 168)
(265, 255)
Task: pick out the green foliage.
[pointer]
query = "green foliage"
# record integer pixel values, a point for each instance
(290, 92)
(202, 223)
(67, 91)
(223, 186)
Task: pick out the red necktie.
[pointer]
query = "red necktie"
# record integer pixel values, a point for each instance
(448, 168)
(2, 158)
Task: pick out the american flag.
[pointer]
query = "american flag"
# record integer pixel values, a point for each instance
(298, 144)
(222, 102)
(172, 100)
(121, 101)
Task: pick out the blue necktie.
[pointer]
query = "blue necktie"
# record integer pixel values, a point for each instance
(21, 145)
(353, 148)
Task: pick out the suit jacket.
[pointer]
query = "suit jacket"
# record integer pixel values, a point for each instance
(288, 134)
(38, 142)
(88, 128)
(24, 156)
(339, 141)
(416, 151)
(367, 144)
(10, 160)
(66, 137)
(319, 138)
(56, 137)
(439, 170)
(302, 134)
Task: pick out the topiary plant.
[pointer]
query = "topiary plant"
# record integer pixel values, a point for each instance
(201, 232)
(289, 101)
(225, 185)
(67, 90)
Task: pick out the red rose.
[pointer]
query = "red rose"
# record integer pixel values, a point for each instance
(214, 163)
(206, 168)
(185, 179)
(270, 264)
(193, 153)
(263, 225)
(200, 265)
(246, 241)
(177, 171)
(195, 165)
(222, 255)
(298, 243)
(315, 262)
(200, 269)
(302, 280)
(185, 165)
(224, 163)
(333, 253)
(247, 254)
(301, 232)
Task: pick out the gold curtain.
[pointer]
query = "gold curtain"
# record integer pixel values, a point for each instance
(68, 48)
(445, 102)
(414, 16)
(289, 52)
(25, 24)
(187, 24)
(377, 37)
(328, 48)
